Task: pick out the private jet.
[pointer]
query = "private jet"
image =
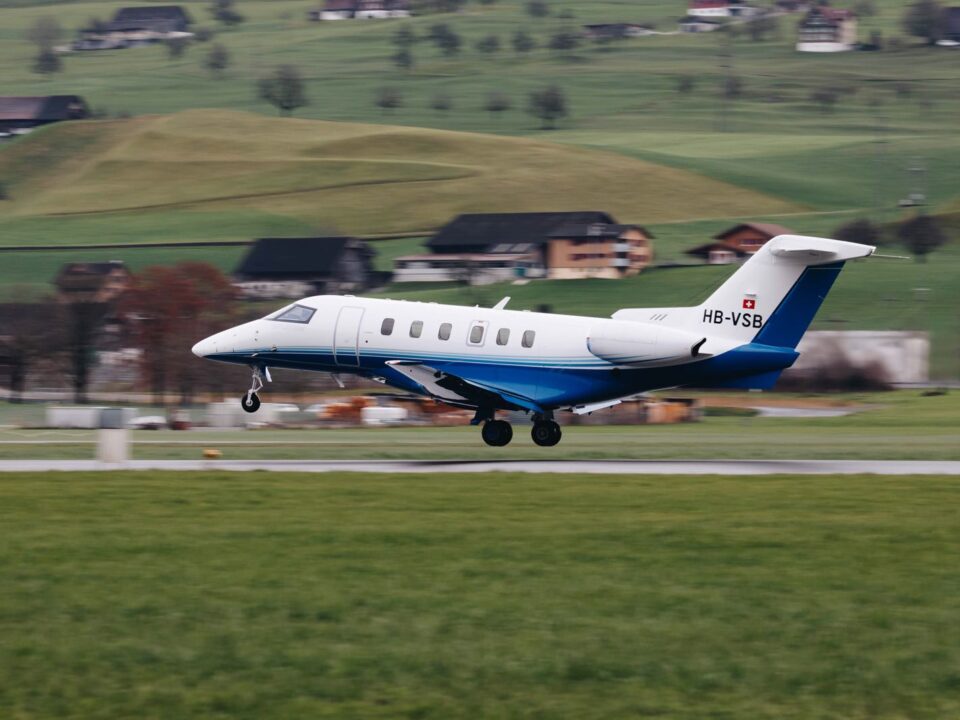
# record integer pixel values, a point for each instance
(496, 359)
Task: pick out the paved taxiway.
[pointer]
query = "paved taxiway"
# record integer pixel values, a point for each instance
(575, 467)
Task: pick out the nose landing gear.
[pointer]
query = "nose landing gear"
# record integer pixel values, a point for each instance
(250, 401)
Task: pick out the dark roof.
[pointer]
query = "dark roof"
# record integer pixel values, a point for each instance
(582, 230)
(292, 257)
(486, 229)
(43, 108)
(770, 229)
(952, 21)
(149, 17)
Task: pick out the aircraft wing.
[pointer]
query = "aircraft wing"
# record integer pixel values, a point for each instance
(458, 390)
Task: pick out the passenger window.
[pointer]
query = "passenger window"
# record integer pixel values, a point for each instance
(528, 337)
(503, 336)
(445, 329)
(386, 327)
(476, 334)
(416, 328)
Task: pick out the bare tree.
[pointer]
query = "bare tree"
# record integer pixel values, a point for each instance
(283, 89)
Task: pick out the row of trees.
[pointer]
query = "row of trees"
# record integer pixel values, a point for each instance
(920, 234)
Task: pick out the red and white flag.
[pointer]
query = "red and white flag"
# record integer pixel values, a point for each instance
(749, 304)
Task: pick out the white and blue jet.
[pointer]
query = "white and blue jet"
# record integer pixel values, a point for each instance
(490, 359)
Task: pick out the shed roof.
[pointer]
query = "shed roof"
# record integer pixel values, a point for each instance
(43, 107)
(294, 256)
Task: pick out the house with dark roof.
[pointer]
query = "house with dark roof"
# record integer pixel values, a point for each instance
(299, 266)
(951, 24)
(737, 242)
(361, 10)
(25, 113)
(98, 282)
(827, 29)
(492, 247)
(159, 19)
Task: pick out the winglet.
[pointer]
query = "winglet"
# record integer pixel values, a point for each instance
(502, 304)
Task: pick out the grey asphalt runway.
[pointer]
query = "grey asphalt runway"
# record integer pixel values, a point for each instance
(578, 467)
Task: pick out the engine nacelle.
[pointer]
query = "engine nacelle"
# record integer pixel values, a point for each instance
(631, 343)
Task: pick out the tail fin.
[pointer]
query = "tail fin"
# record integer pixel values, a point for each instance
(773, 297)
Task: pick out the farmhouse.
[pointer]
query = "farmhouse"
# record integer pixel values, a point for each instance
(709, 8)
(361, 10)
(826, 29)
(295, 267)
(737, 242)
(100, 282)
(21, 114)
(159, 19)
(483, 248)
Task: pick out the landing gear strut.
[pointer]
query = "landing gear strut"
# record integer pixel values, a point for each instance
(497, 433)
(250, 401)
(546, 433)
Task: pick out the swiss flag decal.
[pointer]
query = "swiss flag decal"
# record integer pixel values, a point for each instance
(749, 304)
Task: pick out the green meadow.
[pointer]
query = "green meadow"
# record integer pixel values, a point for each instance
(262, 595)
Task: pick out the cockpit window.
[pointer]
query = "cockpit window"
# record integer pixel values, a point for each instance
(296, 314)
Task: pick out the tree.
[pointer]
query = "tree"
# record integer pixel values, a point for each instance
(217, 60)
(176, 47)
(686, 84)
(283, 89)
(538, 8)
(388, 99)
(170, 308)
(860, 231)
(760, 27)
(45, 32)
(924, 19)
(497, 103)
(732, 87)
(403, 59)
(441, 102)
(31, 334)
(223, 11)
(445, 38)
(523, 42)
(922, 234)
(549, 105)
(46, 62)
(488, 44)
(84, 318)
(564, 42)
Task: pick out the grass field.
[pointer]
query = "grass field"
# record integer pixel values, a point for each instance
(903, 425)
(502, 596)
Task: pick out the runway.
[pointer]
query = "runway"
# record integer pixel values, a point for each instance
(564, 467)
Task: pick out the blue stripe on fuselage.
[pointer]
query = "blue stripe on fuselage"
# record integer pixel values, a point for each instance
(549, 384)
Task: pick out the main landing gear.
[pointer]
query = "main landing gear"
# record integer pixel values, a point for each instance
(497, 433)
(250, 401)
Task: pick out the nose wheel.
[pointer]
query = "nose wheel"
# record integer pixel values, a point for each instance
(546, 433)
(497, 433)
(250, 401)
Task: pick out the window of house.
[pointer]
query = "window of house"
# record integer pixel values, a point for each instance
(444, 332)
(503, 336)
(296, 314)
(476, 334)
(386, 327)
(416, 328)
(528, 337)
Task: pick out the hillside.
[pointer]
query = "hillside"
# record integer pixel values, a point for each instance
(355, 177)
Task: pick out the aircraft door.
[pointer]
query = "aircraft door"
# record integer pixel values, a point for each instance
(346, 337)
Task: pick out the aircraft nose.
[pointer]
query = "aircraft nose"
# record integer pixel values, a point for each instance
(205, 347)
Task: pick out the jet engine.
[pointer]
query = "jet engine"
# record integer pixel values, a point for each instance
(638, 344)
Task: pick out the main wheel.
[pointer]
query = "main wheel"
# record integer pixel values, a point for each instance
(497, 433)
(546, 433)
(250, 402)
